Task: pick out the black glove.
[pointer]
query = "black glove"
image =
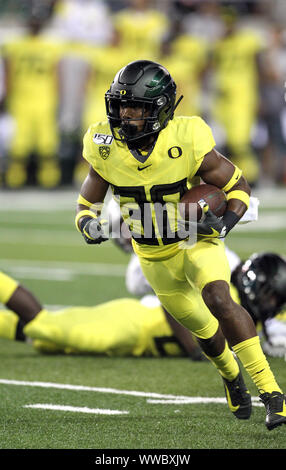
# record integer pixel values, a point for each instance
(211, 225)
(92, 230)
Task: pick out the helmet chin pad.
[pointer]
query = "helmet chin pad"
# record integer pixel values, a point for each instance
(134, 139)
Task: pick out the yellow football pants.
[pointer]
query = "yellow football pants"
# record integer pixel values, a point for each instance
(178, 282)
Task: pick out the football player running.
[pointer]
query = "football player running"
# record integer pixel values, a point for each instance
(257, 283)
(150, 158)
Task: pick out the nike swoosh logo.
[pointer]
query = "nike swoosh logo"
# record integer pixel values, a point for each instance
(230, 405)
(143, 167)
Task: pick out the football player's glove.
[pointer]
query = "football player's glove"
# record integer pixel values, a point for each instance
(211, 226)
(92, 230)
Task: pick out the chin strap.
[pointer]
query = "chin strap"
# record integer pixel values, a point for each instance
(178, 102)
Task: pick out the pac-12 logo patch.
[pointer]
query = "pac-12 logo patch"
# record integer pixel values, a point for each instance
(102, 139)
(104, 151)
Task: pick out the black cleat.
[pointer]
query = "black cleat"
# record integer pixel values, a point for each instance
(275, 404)
(238, 397)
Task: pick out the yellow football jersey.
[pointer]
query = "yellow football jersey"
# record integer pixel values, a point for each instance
(186, 62)
(141, 32)
(104, 64)
(123, 327)
(32, 71)
(163, 178)
(235, 64)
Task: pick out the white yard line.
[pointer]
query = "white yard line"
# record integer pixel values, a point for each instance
(60, 271)
(265, 222)
(36, 236)
(47, 201)
(56, 200)
(199, 400)
(37, 199)
(43, 237)
(152, 398)
(76, 409)
(88, 389)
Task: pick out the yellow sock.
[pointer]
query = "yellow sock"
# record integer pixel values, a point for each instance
(226, 364)
(16, 175)
(255, 363)
(7, 287)
(8, 324)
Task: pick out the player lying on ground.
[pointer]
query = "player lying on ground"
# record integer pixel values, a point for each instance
(128, 327)
(123, 327)
(150, 158)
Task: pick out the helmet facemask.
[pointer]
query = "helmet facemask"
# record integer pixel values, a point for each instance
(155, 113)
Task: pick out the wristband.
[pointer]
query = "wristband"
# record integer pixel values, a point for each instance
(229, 219)
(87, 213)
(238, 194)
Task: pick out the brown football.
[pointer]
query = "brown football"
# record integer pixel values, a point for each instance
(214, 197)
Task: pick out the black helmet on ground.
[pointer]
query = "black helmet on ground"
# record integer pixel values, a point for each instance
(261, 283)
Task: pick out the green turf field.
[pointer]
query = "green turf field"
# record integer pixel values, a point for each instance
(57, 402)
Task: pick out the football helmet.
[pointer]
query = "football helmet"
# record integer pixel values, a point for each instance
(146, 85)
(261, 282)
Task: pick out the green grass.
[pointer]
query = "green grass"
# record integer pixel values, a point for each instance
(147, 426)
(38, 247)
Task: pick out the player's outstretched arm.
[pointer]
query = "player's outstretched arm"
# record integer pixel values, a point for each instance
(221, 172)
(24, 304)
(89, 205)
(22, 308)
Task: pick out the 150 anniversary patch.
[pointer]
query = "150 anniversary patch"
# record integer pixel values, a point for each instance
(102, 139)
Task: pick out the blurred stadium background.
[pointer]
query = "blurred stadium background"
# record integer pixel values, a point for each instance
(59, 57)
(229, 61)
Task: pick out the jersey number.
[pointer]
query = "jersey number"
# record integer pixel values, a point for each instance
(144, 211)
